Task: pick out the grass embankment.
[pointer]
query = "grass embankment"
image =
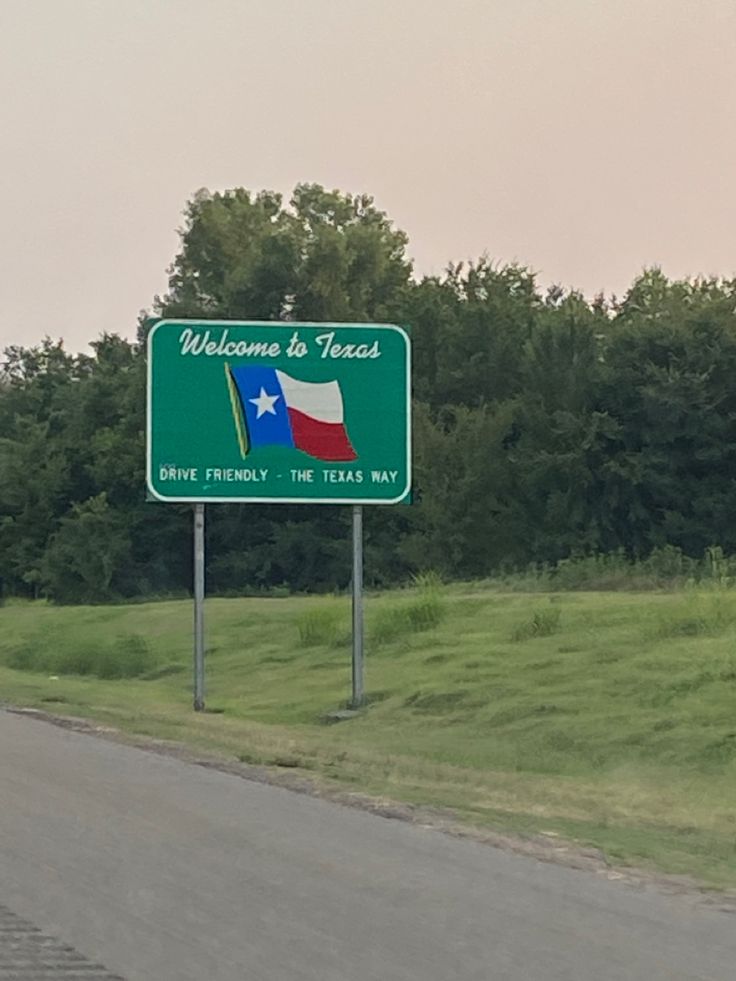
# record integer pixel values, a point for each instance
(609, 719)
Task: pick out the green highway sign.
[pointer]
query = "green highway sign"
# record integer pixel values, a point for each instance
(278, 412)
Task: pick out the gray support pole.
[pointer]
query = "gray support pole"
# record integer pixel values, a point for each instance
(199, 607)
(358, 689)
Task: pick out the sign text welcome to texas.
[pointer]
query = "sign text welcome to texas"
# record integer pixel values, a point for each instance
(278, 412)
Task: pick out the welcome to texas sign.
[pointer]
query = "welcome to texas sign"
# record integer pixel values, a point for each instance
(278, 412)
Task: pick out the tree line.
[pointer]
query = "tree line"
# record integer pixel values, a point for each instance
(546, 425)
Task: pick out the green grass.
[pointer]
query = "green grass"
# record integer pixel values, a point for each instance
(541, 623)
(422, 608)
(606, 718)
(120, 656)
(322, 625)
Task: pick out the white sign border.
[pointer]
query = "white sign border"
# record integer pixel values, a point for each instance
(167, 499)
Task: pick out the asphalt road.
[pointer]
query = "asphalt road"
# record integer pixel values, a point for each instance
(26, 954)
(164, 871)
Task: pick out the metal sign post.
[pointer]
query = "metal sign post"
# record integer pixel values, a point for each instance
(358, 687)
(199, 607)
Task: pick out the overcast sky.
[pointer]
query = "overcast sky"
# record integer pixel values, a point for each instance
(585, 138)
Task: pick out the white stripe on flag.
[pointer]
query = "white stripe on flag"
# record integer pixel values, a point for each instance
(320, 400)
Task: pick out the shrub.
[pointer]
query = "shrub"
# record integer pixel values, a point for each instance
(427, 609)
(128, 656)
(542, 623)
(320, 625)
(424, 611)
(700, 614)
(389, 623)
(75, 660)
(23, 658)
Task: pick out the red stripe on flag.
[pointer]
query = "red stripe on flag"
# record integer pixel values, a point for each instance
(322, 440)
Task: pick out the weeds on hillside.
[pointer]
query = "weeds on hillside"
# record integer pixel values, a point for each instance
(666, 568)
(699, 614)
(127, 656)
(542, 623)
(424, 611)
(320, 625)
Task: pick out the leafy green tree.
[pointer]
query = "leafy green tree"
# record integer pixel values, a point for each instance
(83, 557)
(671, 361)
(469, 331)
(238, 258)
(545, 425)
(35, 474)
(34, 490)
(323, 256)
(462, 525)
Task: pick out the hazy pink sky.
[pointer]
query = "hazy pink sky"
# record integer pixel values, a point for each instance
(586, 138)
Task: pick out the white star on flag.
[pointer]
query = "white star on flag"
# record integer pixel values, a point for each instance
(264, 403)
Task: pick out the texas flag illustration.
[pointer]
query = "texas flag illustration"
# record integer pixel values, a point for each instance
(273, 409)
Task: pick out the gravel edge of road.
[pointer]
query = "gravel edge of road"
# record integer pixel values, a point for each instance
(543, 848)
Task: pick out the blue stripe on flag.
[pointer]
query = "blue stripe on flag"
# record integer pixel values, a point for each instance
(272, 426)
